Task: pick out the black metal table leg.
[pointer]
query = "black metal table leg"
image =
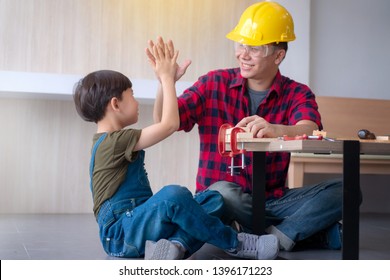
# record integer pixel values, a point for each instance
(351, 199)
(258, 192)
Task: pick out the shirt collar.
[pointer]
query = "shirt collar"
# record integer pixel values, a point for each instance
(276, 84)
(238, 80)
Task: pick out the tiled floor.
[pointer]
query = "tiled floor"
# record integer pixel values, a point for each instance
(75, 237)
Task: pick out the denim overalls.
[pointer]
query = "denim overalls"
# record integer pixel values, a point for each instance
(133, 215)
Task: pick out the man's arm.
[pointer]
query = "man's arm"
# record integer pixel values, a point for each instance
(158, 103)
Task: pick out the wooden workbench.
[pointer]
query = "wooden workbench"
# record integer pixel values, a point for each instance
(350, 151)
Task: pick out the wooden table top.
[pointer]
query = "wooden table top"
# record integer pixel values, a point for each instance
(372, 147)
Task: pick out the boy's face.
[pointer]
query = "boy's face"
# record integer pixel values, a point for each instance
(129, 108)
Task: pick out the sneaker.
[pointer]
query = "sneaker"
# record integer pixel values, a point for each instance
(163, 250)
(250, 246)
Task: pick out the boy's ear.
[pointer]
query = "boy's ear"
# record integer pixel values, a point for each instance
(114, 104)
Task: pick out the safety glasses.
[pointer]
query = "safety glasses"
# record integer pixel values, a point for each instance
(254, 51)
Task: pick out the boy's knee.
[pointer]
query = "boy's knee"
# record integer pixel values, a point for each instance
(175, 191)
(211, 201)
(208, 195)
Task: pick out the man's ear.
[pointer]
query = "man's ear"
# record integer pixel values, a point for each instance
(281, 53)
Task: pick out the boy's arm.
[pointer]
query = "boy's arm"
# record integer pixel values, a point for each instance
(165, 67)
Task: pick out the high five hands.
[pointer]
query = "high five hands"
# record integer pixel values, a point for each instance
(152, 50)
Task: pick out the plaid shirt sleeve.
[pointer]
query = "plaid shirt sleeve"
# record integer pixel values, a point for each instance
(220, 97)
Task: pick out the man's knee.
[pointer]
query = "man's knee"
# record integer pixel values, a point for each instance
(228, 190)
(238, 204)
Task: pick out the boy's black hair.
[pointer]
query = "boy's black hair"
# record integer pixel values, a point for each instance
(93, 93)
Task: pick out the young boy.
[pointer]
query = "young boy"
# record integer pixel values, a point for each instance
(172, 224)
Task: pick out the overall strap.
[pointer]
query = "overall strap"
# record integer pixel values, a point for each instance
(92, 164)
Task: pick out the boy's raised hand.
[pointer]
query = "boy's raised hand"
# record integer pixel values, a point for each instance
(180, 70)
(165, 58)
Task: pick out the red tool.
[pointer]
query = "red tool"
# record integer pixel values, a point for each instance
(233, 145)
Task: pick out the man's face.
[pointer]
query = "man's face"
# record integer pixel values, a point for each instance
(257, 62)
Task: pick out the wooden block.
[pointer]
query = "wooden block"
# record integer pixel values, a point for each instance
(319, 132)
(244, 135)
(240, 135)
(383, 138)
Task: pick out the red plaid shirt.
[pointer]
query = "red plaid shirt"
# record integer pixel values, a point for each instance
(221, 97)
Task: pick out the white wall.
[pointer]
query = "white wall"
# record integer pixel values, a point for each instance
(349, 53)
(296, 64)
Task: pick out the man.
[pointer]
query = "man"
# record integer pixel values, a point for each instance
(256, 96)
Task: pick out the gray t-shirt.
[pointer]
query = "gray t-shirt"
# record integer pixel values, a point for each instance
(256, 97)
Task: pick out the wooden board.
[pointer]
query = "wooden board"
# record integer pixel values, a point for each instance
(344, 117)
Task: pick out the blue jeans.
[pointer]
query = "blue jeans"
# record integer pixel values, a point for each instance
(133, 215)
(297, 215)
(172, 213)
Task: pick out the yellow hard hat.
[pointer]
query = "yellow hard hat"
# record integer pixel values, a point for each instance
(263, 23)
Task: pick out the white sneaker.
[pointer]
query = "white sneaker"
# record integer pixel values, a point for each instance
(162, 250)
(250, 246)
